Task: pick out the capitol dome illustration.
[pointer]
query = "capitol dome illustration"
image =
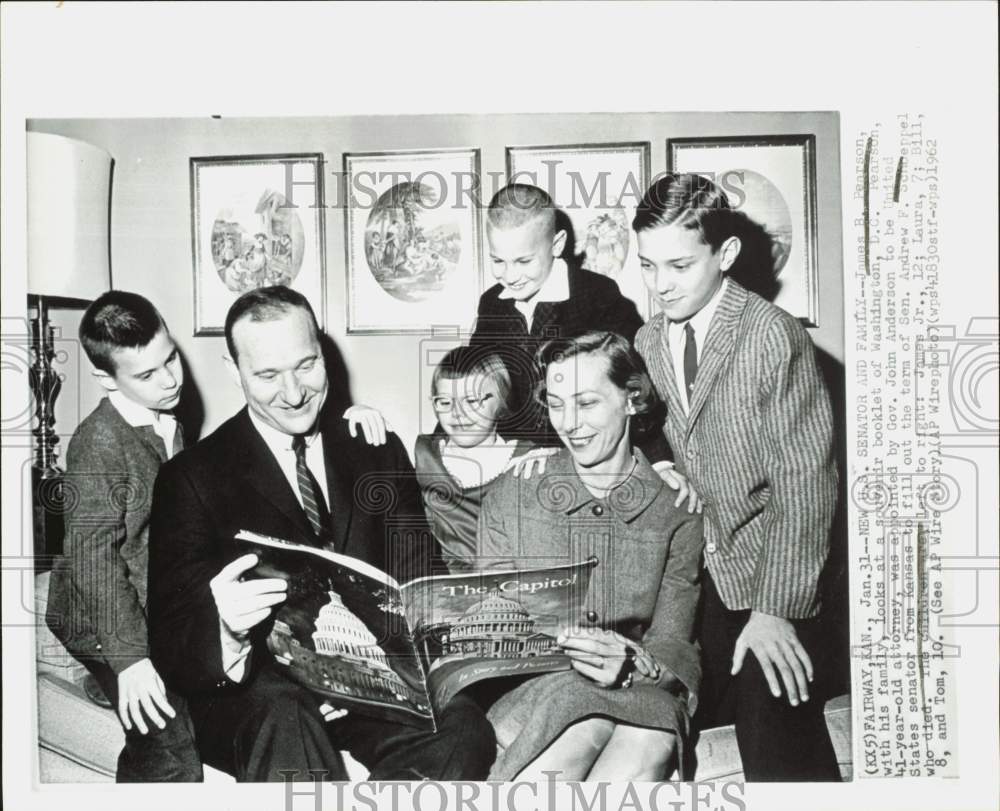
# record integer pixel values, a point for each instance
(339, 632)
(347, 659)
(494, 614)
(496, 627)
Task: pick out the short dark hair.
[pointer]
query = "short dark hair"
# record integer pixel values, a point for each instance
(626, 369)
(518, 203)
(266, 304)
(688, 200)
(117, 320)
(464, 361)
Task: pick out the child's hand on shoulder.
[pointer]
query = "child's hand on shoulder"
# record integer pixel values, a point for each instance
(531, 462)
(372, 423)
(676, 480)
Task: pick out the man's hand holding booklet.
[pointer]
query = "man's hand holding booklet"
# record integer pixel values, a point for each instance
(364, 642)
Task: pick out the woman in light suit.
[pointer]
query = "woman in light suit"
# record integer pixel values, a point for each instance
(622, 712)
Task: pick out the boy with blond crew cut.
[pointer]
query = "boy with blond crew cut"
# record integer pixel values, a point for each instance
(538, 296)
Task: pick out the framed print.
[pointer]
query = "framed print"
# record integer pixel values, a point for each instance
(772, 180)
(256, 220)
(413, 240)
(598, 187)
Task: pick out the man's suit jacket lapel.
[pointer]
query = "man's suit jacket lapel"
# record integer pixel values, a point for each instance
(341, 492)
(263, 473)
(720, 343)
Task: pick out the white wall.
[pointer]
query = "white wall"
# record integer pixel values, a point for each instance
(151, 222)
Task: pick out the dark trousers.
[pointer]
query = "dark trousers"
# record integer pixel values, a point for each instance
(269, 725)
(777, 742)
(167, 755)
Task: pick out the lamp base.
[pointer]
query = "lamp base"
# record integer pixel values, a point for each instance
(48, 516)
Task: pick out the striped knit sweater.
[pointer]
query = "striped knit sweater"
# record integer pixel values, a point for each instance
(757, 445)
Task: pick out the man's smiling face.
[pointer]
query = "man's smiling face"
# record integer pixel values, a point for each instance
(281, 370)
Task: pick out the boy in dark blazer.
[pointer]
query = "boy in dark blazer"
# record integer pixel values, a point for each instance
(97, 590)
(538, 296)
(750, 424)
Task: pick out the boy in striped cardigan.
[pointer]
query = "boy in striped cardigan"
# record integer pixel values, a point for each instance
(750, 425)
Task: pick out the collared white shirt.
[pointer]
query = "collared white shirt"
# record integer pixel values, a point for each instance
(164, 423)
(235, 651)
(554, 288)
(676, 339)
(280, 445)
(479, 465)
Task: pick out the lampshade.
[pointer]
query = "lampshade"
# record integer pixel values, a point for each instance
(69, 194)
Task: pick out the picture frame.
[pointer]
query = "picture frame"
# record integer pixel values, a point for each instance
(413, 240)
(772, 179)
(597, 186)
(256, 220)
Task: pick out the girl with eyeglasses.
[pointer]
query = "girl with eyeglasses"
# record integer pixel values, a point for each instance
(457, 465)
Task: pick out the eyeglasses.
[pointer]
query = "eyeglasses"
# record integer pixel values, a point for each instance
(442, 405)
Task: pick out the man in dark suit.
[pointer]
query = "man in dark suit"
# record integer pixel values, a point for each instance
(283, 467)
(538, 296)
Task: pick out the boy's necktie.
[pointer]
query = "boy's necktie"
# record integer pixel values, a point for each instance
(312, 496)
(690, 360)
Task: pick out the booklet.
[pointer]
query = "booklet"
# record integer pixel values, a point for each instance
(352, 634)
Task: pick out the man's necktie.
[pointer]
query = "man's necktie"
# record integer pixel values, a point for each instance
(690, 361)
(312, 496)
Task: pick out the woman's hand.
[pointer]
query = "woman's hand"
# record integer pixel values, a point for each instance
(371, 421)
(676, 480)
(606, 657)
(531, 462)
(645, 664)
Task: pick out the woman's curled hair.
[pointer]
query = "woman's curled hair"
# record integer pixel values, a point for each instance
(626, 369)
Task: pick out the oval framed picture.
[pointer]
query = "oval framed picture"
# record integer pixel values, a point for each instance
(256, 220)
(412, 240)
(770, 182)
